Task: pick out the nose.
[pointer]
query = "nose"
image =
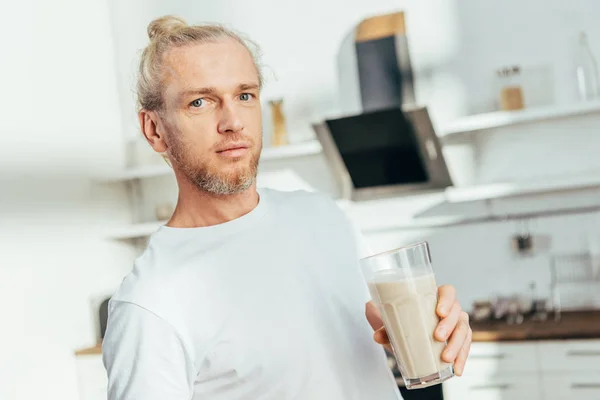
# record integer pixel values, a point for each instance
(229, 121)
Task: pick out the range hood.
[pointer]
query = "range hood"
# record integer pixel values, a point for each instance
(384, 153)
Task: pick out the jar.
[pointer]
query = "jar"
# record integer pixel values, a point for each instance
(510, 85)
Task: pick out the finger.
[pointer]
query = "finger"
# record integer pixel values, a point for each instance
(459, 363)
(380, 336)
(446, 299)
(373, 316)
(456, 342)
(446, 326)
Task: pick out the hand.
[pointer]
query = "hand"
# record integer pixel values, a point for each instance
(453, 327)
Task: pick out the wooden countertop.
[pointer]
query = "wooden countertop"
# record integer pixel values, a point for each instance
(96, 350)
(572, 325)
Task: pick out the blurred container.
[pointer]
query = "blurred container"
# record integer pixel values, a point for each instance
(511, 88)
(482, 310)
(280, 135)
(574, 284)
(593, 246)
(588, 81)
(572, 268)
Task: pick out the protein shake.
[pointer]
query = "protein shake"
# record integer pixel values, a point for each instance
(404, 289)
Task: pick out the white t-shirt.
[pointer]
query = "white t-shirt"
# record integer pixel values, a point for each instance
(268, 306)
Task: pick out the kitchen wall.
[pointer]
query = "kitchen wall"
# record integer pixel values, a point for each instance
(479, 260)
(456, 46)
(60, 126)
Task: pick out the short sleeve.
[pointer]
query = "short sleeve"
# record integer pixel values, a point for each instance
(144, 357)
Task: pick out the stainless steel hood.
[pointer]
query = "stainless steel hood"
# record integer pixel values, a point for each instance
(384, 153)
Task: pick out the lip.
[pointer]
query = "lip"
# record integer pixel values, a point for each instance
(236, 149)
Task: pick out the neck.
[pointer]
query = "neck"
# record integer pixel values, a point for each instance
(196, 208)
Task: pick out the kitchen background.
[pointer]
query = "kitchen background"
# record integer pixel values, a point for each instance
(80, 189)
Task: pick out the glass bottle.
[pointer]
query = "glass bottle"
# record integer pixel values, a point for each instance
(587, 71)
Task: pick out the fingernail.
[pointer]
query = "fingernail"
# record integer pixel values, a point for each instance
(441, 333)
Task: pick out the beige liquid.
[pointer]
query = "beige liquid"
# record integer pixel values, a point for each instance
(407, 307)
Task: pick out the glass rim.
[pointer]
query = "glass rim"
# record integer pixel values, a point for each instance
(397, 249)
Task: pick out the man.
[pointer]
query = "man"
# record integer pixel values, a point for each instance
(243, 294)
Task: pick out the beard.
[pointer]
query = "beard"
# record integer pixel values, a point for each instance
(208, 177)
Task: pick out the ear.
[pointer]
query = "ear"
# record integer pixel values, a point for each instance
(153, 130)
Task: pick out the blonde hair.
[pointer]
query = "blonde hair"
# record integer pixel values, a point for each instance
(170, 32)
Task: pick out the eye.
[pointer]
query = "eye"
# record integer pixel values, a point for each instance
(197, 103)
(246, 96)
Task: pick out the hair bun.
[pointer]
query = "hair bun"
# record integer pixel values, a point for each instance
(163, 26)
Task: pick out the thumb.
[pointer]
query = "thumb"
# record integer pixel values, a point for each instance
(380, 336)
(373, 316)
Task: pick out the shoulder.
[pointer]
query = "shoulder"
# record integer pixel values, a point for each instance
(147, 278)
(303, 200)
(314, 209)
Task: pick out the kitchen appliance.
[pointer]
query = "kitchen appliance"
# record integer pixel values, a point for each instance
(383, 153)
(374, 66)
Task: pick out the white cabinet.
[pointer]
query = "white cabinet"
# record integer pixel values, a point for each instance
(548, 370)
(505, 387)
(570, 355)
(571, 386)
(494, 358)
(570, 369)
(497, 371)
(544, 370)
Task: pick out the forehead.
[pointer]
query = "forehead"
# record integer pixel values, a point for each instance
(223, 65)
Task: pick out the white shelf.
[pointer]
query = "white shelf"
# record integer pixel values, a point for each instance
(268, 154)
(145, 171)
(507, 118)
(462, 125)
(508, 189)
(452, 195)
(307, 148)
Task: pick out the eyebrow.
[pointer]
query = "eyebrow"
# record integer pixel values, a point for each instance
(248, 86)
(213, 90)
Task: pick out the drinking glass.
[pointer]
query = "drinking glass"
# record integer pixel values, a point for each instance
(403, 286)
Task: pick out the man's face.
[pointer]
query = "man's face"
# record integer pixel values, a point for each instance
(212, 115)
